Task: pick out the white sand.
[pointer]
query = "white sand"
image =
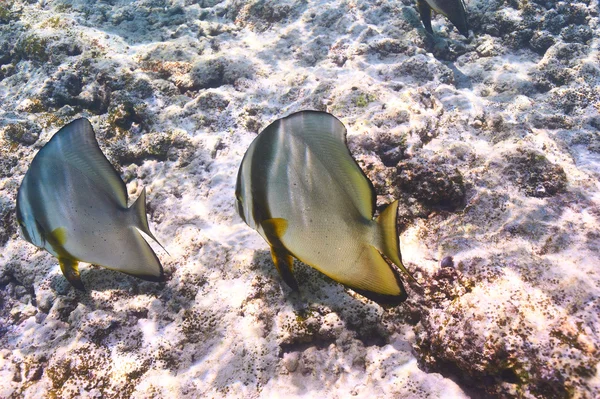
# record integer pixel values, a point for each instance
(517, 317)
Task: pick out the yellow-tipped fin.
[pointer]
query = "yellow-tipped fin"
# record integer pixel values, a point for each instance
(275, 228)
(68, 265)
(58, 238)
(390, 243)
(70, 269)
(375, 279)
(284, 262)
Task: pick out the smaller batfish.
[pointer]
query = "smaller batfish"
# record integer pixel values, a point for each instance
(454, 10)
(300, 188)
(73, 203)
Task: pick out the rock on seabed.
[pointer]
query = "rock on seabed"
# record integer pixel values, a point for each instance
(491, 144)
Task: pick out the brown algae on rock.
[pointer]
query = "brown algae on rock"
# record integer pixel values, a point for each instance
(490, 143)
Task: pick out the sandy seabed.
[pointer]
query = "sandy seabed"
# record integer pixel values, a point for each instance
(491, 143)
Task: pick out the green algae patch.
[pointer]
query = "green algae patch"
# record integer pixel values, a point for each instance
(33, 47)
(361, 100)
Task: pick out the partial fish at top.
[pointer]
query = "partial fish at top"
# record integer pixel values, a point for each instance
(73, 203)
(300, 188)
(454, 10)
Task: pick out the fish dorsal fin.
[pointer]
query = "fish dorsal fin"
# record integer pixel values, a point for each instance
(325, 136)
(76, 145)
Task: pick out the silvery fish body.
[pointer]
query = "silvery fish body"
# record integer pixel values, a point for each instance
(454, 10)
(73, 203)
(300, 188)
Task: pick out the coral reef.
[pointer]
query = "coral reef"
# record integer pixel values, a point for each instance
(491, 144)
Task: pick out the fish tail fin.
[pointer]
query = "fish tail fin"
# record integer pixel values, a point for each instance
(389, 244)
(70, 269)
(141, 220)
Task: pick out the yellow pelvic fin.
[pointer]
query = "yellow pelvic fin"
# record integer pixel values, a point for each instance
(390, 243)
(70, 269)
(68, 265)
(275, 228)
(58, 236)
(57, 239)
(284, 262)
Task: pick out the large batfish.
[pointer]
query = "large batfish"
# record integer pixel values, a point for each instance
(454, 10)
(300, 188)
(73, 203)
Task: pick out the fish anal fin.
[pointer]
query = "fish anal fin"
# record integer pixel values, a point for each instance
(425, 12)
(284, 262)
(375, 279)
(70, 269)
(389, 244)
(138, 258)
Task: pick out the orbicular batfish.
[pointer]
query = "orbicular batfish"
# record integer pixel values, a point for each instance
(454, 10)
(73, 203)
(300, 188)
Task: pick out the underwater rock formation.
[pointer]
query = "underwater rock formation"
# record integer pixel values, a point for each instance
(491, 144)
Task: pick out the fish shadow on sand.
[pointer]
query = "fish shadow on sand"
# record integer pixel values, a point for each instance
(317, 291)
(97, 278)
(461, 80)
(315, 287)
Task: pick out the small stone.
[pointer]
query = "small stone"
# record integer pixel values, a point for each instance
(290, 361)
(448, 261)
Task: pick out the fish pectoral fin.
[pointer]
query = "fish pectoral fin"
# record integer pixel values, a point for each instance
(372, 277)
(284, 262)
(425, 12)
(70, 269)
